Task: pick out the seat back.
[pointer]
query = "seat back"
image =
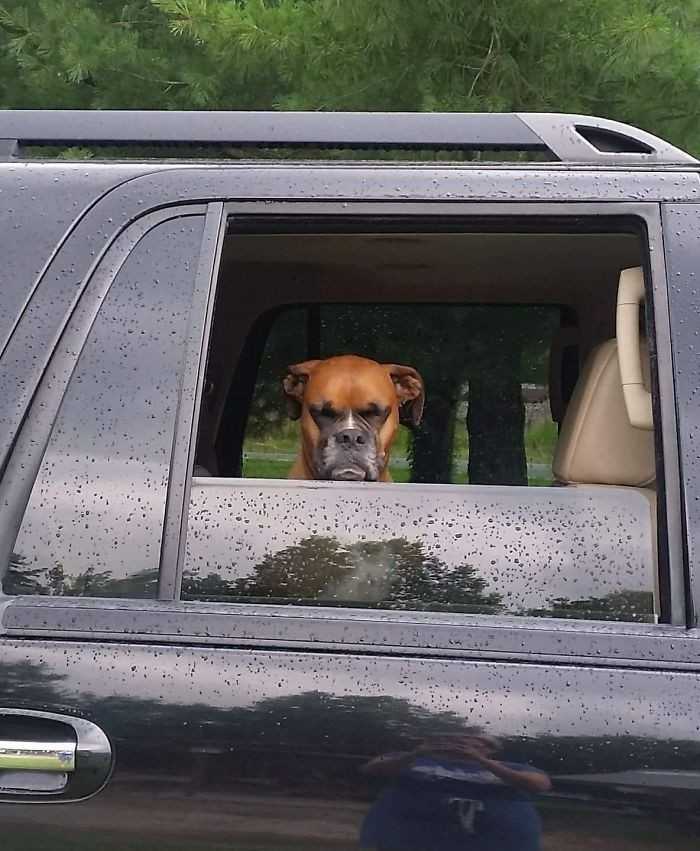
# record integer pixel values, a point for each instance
(597, 444)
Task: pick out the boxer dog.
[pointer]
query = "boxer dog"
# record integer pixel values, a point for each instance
(350, 408)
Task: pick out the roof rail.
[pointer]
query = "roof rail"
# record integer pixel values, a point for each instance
(568, 138)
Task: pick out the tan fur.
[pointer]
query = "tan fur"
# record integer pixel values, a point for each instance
(350, 382)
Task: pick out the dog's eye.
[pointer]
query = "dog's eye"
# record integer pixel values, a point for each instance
(324, 413)
(373, 412)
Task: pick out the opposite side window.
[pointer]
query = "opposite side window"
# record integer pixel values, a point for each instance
(93, 524)
(439, 424)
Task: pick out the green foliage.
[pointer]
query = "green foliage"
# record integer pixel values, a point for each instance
(540, 440)
(634, 60)
(21, 577)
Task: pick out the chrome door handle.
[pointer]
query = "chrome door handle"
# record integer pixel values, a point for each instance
(66, 758)
(37, 756)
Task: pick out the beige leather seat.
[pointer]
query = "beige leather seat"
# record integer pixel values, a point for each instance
(598, 446)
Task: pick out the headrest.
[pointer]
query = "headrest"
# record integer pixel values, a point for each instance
(597, 444)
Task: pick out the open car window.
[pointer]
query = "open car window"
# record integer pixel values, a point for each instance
(499, 499)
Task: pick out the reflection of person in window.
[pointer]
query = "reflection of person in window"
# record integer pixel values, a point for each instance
(450, 793)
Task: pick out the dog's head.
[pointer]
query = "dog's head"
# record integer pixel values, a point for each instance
(350, 408)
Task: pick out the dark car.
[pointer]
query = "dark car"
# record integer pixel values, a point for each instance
(498, 648)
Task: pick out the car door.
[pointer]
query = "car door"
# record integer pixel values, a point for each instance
(199, 724)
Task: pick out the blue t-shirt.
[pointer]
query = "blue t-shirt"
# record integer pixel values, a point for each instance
(446, 805)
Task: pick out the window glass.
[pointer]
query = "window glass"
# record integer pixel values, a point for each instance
(494, 549)
(491, 466)
(487, 417)
(94, 521)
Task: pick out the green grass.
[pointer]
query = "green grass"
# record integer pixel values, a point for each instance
(262, 468)
(540, 441)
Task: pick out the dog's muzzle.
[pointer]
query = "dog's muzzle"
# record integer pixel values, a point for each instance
(348, 451)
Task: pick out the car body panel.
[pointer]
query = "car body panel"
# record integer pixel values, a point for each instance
(42, 203)
(247, 727)
(264, 749)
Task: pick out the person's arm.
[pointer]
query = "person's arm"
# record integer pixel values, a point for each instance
(527, 780)
(390, 764)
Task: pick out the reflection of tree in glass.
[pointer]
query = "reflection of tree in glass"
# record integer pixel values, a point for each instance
(23, 577)
(396, 574)
(617, 606)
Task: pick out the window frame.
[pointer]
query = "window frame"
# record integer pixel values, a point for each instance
(673, 584)
(498, 637)
(682, 255)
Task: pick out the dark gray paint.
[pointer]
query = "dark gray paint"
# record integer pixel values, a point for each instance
(30, 444)
(39, 206)
(111, 443)
(342, 630)
(195, 358)
(255, 749)
(682, 245)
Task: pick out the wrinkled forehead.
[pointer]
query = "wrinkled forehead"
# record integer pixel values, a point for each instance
(351, 387)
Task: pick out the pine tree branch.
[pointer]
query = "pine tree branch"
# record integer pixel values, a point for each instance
(486, 61)
(156, 80)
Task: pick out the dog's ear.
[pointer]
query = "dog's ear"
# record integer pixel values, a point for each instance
(410, 392)
(294, 384)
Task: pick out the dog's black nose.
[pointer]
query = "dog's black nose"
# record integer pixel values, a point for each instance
(349, 438)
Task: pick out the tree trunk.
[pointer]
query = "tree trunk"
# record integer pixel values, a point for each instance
(431, 447)
(496, 425)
